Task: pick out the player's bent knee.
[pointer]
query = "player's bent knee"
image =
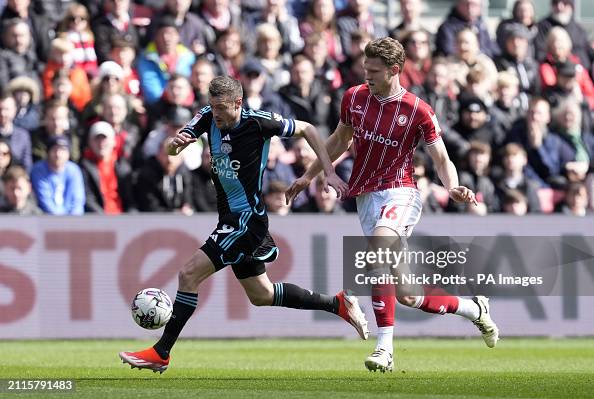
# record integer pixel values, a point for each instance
(407, 300)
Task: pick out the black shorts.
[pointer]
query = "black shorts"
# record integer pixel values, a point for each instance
(241, 240)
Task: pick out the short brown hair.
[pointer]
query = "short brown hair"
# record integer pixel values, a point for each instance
(389, 50)
(14, 173)
(225, 86)
(513, 149)
(479, 147)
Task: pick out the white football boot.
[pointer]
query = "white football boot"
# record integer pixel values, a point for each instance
(485, 324)
(381, 360)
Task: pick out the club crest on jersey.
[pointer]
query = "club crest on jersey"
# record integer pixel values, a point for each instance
(402, 120)
(194, 120)
(226, 148)
(277, 117)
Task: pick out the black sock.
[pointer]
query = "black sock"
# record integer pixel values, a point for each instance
(183, 307)
(291, 296)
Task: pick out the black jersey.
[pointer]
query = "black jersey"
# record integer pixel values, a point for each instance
(239, 156)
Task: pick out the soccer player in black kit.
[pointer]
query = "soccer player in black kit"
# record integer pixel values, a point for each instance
(239, 139)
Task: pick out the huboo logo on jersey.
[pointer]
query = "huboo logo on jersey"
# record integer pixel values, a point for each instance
(374, 136)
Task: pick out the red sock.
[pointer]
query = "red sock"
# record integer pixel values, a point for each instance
(437, 300)
(383, 300)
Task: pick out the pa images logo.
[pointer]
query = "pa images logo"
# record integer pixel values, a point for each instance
(226, 148)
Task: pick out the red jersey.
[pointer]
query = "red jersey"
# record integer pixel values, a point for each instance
(386, 133)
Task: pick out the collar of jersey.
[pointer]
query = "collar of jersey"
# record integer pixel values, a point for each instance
(393, 97)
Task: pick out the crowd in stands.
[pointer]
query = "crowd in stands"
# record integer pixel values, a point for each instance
(91, 91)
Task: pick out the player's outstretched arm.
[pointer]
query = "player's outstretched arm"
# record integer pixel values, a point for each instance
(309, 132)
(179, 142)
(446, 170)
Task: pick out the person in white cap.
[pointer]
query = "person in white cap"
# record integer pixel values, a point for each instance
(108, 181)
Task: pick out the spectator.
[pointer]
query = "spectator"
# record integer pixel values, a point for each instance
(229, 53)
(274, 198)
(218, 16)
(40, 29)
(127, 135)
(322, 201)
(308, 98)
(576, 200)
(559, 55)
(190, 27)
(418, 58)
(411, 11)
(542, 146)
(515, 57)
(5, 160)
(507, 108)
(275, 13)
(175, 119)
(351, 69)
(164, 184)
(358, 16)
(304, 156)
(62, 90)
(566, 88)
(108, 82)
(61, 58)
(472, 125)
(276, 167)
(17, 56)
(162, 58)
(123, 53)
(590, 189)
(107, 179)
(515, 203)
(465, 15)
(58, 182)
(514, 177)
(321, 19)
(577, 145)
(468, 56)
(476, 178)
(438, 93)
(204, 192)
(20, 141)
(203, 71)
(52, 10)
(523, 14)
(26, 94)
(17, 193)
(425, 186)
(178, 93)
(562, 16)
(256, 95)
(55, 123)
(76, 28)
(268, 46)
(326, 69)
(114, 23)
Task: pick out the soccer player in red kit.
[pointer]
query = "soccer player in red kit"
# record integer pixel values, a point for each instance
(385, 123)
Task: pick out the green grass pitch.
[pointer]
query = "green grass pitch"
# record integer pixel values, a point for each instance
(432, 368)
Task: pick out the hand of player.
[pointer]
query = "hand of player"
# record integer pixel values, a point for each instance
(298, 186)
(337, 183)
(463, 194)
(179, 142)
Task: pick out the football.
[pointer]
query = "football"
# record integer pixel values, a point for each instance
(151, 308)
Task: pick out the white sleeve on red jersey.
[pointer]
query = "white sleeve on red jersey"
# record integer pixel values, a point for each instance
(345, 106)
(428, 124)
